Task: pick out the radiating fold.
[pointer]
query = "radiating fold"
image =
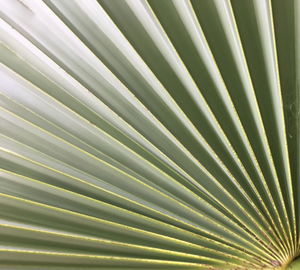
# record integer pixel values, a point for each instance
(150, 134)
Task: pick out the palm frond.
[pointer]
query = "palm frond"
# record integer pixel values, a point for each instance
(151, 134)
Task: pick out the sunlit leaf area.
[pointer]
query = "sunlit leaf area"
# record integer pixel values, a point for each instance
(145, 135)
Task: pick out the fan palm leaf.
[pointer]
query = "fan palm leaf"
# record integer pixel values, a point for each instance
(151, 134)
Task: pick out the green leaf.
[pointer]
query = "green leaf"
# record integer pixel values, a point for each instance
(147, 134)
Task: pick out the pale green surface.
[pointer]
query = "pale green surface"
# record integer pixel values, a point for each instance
(295, 265)
(159, 134)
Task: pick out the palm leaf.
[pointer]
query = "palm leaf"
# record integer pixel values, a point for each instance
(149, 134)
